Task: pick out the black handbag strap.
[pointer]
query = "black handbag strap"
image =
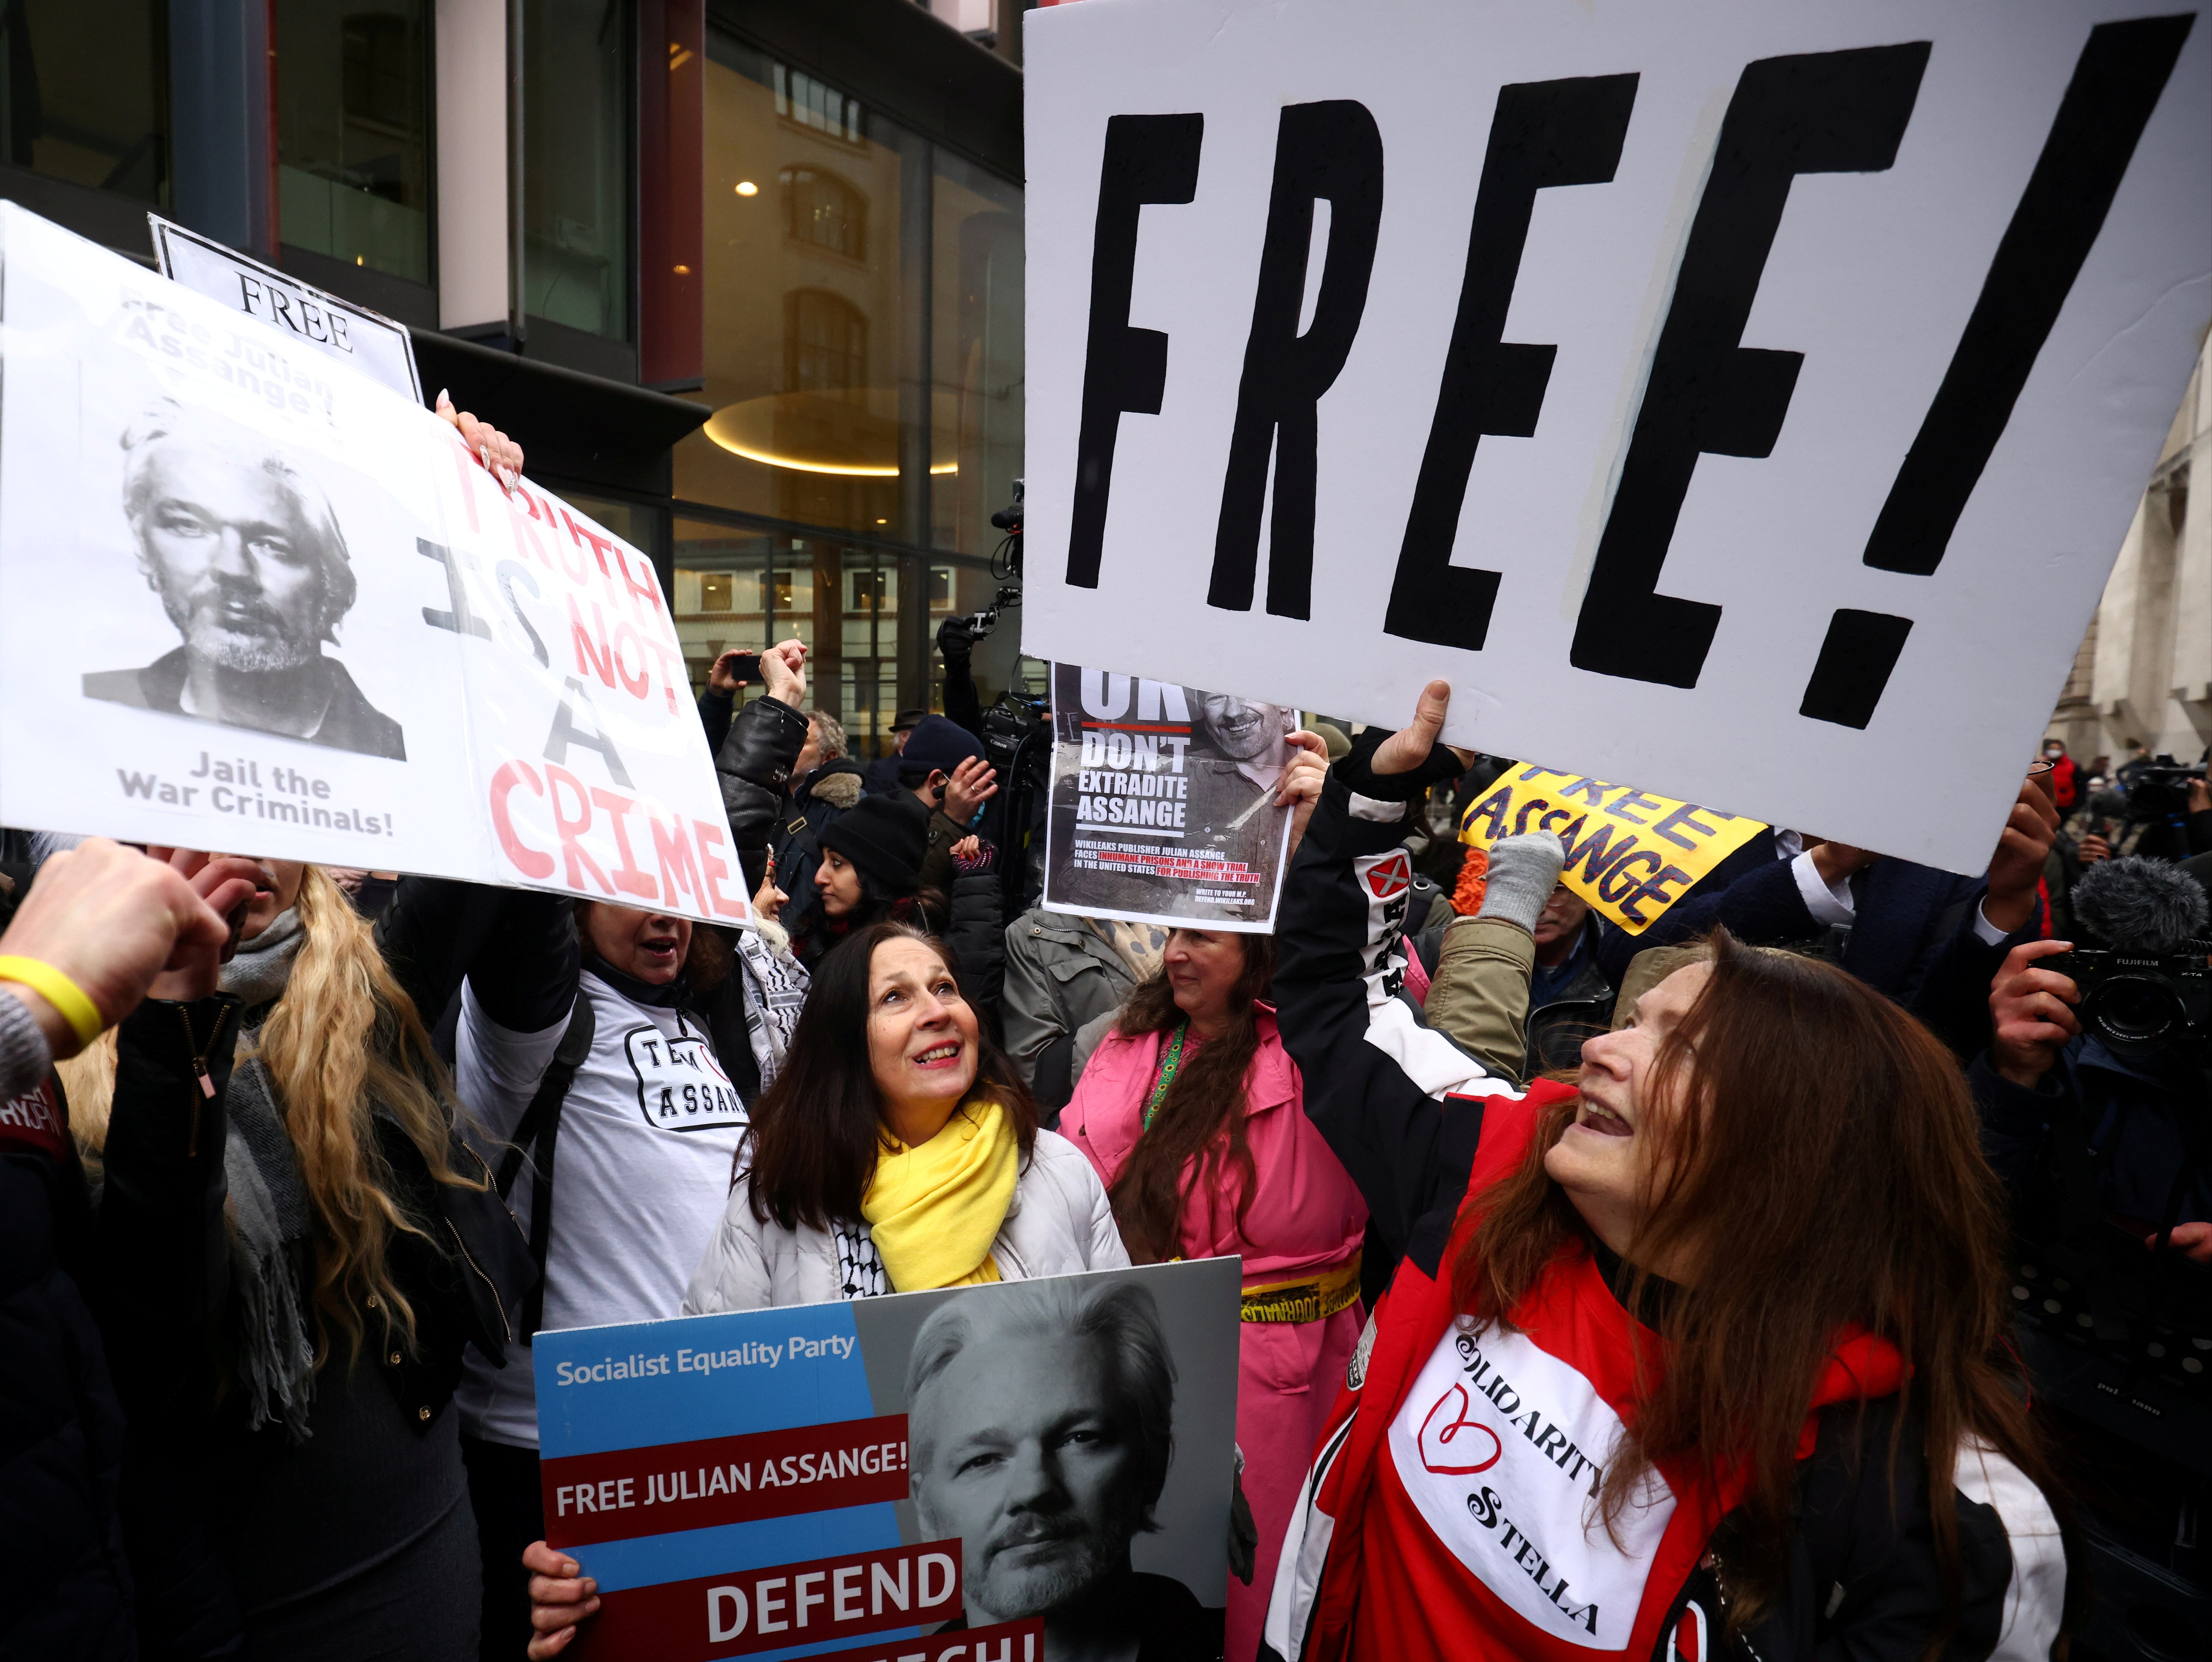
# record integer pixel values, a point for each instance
(535, 1138)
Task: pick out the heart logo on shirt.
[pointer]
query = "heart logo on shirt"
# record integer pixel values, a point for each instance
(1436, 1439)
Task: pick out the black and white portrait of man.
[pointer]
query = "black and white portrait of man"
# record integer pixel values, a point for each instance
(248, 559)
(1239, 751)
(1042, 1422)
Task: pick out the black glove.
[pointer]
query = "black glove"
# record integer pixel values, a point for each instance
(955, 640)
(1355, 770)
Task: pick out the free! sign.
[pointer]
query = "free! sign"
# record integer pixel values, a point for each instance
(256, 601)
(1744, 399)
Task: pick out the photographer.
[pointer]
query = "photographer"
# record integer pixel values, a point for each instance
(2132, 1103)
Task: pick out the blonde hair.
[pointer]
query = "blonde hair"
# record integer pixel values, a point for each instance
(344, 1037)
(343, 1040)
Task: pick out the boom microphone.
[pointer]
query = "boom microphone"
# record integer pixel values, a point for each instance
(2108, 804)
(2142, 906)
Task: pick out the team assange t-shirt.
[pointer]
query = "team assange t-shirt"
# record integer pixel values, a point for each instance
(642, 1175)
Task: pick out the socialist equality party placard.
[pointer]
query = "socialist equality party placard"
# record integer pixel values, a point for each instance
(1743, 398)
(846, 1476)
(251, 600)
(1164, 801)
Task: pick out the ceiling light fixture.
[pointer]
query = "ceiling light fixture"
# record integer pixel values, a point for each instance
(747, 188)
(799, 465)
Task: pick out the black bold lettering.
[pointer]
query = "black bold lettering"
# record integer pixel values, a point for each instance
(2117, 83)
(1330, 151)
(1820, 113)
(1149, 158)
(1543, 133)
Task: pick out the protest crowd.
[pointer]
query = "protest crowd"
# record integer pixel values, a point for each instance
(299, 1160)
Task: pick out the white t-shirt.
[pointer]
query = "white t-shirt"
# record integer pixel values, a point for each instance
(641, 1174)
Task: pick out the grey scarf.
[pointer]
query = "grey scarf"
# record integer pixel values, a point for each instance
(272, 1217)
(263, 965)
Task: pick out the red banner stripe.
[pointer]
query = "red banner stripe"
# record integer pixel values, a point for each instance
(779, 1605)
(664, 1487)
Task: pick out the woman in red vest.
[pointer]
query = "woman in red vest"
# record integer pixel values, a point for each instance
(1702, 1356)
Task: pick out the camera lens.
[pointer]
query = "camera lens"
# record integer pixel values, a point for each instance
(2134, 1010)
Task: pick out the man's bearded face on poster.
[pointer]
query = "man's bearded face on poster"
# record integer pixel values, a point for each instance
(1034, 1459)
(241, 563)
(1243, 730)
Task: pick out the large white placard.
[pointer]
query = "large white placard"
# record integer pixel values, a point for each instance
(1747, 397)
(252, 600)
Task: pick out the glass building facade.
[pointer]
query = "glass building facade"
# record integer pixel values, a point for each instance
(863, 360)
(84, 93)
(353, 131)
(804, 215)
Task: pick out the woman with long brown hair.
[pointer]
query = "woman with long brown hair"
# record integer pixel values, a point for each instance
(1193, 1114)
(1702, 1355)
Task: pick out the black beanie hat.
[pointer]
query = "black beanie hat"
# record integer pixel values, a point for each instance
(886, 836)
(937, 743)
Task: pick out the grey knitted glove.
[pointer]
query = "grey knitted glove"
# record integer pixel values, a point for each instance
(1523, 872)
(25, 1059)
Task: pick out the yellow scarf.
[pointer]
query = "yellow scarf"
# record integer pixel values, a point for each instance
(934, 1210)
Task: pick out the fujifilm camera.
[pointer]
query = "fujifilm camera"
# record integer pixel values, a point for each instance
(2139, 1002)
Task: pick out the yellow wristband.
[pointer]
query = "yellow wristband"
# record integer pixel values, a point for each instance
(58, 990)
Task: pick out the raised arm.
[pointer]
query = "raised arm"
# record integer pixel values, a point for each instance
(755, 757)
(1376, 1077)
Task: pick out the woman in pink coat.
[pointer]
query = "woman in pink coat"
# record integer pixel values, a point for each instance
(1192, 1114)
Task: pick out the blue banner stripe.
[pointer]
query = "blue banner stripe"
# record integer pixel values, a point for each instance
(645, 1560)
(694, 1377)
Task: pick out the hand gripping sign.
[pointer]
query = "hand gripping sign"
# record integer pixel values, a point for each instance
(1747, 397)
(254, 601)
(1630, 854)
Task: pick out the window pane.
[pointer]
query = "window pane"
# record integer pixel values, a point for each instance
(353, 130)
(975, 337)
(804, 324)
(84, 93)
(724, 597)
(575, 169)
(625, 520)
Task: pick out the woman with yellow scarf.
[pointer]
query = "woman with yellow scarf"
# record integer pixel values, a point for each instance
(897, 1151)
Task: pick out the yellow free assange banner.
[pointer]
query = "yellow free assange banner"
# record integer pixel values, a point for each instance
(1630, 854)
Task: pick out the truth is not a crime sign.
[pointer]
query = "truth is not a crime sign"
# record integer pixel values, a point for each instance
(251, 600)
(1745, 398)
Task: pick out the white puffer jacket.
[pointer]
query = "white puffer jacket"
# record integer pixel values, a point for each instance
(1059, 1224)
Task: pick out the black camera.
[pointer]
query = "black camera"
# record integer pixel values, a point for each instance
(2161, 789)
(2139, 1003)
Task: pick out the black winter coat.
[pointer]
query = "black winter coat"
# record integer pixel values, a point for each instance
(165, 1267)
(66, 1591)
(754, 760)
(822, 798)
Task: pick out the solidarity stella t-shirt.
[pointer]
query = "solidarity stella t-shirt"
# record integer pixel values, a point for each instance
(1489, 1491)
(641, 1174)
